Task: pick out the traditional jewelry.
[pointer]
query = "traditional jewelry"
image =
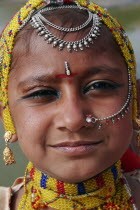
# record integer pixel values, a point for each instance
(38, 19)
(56, 2)
(108, 190)
(68, 72)
(118, 115)
(7, 153)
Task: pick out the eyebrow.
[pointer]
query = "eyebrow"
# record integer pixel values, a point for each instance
(35, 79)
(103, 69)
(51, 78)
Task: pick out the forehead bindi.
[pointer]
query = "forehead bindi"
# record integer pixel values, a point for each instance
(25, 81)
(42, 74)
(45, 61)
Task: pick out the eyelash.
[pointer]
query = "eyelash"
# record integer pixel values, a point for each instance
(101, 86)
(43, 94)
(52, 94)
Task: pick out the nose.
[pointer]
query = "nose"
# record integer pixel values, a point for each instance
(73, 116)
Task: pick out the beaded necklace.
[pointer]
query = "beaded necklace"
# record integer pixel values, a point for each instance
(107, 190)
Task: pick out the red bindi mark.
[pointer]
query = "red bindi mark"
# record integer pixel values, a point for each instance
(65, 76)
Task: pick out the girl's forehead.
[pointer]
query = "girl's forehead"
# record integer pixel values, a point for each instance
(27, 40)
(34, 48)
(33, 54)
(44, 61)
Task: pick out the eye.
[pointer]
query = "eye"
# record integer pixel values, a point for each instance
(43, 94)
(102, 86)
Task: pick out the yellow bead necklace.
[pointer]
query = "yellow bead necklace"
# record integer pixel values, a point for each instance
(107, 190)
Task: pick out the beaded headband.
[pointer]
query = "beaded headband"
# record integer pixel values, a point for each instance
(22, 17)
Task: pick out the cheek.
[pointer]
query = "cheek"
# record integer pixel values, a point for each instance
(33, 124)
(121, 134)
(34, 128)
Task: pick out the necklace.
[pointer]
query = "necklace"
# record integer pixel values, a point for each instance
(107, 190)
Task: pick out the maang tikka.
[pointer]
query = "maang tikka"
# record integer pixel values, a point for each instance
(39, 22)
(8, 156)
(67, 69)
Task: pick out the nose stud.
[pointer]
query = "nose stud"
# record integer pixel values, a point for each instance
(90, 119)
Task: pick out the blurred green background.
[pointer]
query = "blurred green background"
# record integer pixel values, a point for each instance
(126, 11)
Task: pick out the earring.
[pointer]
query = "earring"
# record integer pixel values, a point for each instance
(138, 136)
(8, 156)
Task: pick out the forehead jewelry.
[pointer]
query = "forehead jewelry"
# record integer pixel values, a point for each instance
(67, 69)
(38, 20)
(118, 115)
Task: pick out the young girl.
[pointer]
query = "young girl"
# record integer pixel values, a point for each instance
(69, 97)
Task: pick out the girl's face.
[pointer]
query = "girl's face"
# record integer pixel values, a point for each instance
(49, 110)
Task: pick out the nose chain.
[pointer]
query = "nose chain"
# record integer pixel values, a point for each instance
(116, 116)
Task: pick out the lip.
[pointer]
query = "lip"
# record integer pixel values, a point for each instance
(76, 147)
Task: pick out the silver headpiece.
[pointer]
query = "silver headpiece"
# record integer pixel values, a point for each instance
(38, 21)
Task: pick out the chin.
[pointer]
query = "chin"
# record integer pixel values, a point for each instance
(75, 170)
(75, 173)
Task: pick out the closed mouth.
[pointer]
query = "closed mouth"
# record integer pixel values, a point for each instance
(76, 143)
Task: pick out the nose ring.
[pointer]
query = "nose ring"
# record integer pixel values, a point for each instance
(90, 119)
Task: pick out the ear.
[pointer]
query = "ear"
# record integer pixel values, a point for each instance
(14, 138)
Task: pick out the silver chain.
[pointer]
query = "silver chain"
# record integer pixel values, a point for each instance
(78, 28)
(42, 30)
(125, 106)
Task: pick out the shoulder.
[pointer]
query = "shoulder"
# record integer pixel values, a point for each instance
(7, 194)
(133, 180)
